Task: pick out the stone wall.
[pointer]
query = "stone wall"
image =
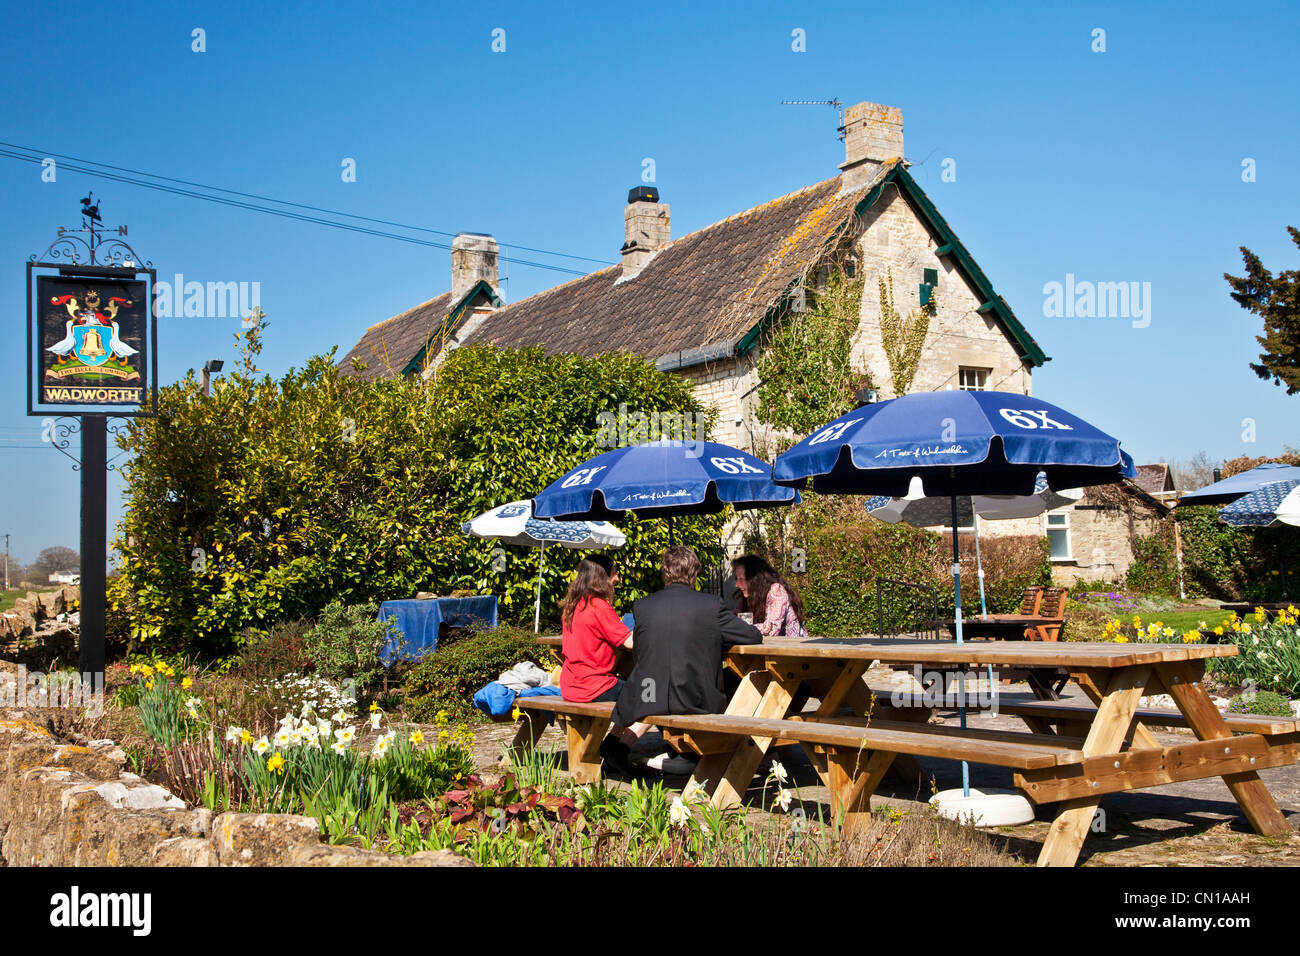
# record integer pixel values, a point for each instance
(895, 242)
(68, 804)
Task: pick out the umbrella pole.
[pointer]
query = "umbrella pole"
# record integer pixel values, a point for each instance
(956, 591)
(979, 570)
(537, 608)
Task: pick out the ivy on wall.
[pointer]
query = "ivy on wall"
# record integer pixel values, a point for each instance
(806, 373)
(903, 339)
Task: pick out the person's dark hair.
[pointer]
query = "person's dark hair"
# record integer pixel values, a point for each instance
(760, 576)
(681, 565)
(592, 579)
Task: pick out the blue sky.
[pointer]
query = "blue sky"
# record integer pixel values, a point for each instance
(1117, 166)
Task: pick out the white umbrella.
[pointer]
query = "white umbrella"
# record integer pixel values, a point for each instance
(514, 523)
(1288, 512)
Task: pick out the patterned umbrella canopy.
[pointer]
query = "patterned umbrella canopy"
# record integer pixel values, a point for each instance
(1277, 502)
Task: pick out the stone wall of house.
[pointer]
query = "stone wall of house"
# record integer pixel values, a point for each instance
(68, 804)
(1101, 543)
(895, 242)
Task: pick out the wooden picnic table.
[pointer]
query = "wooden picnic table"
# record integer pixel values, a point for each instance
(1070, 755)
(1092, 751)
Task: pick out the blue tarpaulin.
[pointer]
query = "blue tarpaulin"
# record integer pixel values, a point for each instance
(417, 622)
(498, 700)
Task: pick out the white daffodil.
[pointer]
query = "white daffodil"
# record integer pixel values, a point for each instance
(679, 812)
(778, 772)
(695, 793)
(262, 745)
(338, 748)
(296, 738)
(783, 797)
(345, 735)
(339, 716)
(282, 737)
(233, 734)
(192, 702)
(323, 728)
(380, 748)
(374, 720)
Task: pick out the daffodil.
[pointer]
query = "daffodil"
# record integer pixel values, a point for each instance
(282, 737)
(695, 792)
(186, 684)
(233, 734)
(778, 772)
(338, 748)
(679, 812)
(245, 737)
(783, 797)
(276, 763)
(374, 706)
(262, 745)
(374, 721)
(417, 737)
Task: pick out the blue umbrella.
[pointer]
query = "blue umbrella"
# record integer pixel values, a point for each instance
(663, 479)
(958, 443)
(1230, 489)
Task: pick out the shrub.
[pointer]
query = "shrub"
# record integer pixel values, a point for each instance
(845, 551)
(1264, 703)
(270, 498)
(447, 679)
(1084, 623)
(345, 644)
(265, 655)
(1155, 568)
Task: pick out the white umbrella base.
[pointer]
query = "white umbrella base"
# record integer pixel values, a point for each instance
(986, 808)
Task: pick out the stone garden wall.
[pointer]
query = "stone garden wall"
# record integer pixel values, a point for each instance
(65, 804)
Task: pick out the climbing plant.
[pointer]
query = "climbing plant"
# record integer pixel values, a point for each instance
(806, 373)
(902, 338)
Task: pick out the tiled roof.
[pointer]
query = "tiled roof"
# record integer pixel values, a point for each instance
(709, 287)
(1154, 479)
(387, 348)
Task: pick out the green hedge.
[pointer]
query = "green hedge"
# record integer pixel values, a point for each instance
(274, 497)
(845, 551)
(447, 679)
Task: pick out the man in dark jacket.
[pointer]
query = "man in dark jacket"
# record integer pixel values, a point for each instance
(678, 639)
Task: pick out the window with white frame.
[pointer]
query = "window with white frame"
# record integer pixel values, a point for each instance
(973, 379)
(1058, 535)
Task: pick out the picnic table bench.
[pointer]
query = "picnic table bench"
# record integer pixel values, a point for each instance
(1070, 755)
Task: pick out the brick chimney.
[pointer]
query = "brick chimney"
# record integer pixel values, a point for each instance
(873, 134)
(473, 258)
(645, 228)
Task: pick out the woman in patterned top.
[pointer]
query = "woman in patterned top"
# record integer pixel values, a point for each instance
(773, 601)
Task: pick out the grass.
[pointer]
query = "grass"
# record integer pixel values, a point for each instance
(1182, 621)
(7, 598)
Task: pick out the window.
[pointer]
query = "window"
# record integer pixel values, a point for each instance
(973, 379)
(1058, 535)
(929, 281)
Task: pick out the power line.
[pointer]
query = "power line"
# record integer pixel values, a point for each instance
(30, 155)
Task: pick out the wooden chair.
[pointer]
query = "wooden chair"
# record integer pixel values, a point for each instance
(1053, 606)
(1031, 601)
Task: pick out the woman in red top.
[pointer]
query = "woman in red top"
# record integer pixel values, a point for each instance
(592, 633)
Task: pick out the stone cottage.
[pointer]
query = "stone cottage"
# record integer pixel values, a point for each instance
(701, 305)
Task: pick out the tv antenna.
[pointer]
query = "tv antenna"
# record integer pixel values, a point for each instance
(836, 104)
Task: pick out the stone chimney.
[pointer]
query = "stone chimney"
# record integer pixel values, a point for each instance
(873, 134)
(473, 257)
(645, 228)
